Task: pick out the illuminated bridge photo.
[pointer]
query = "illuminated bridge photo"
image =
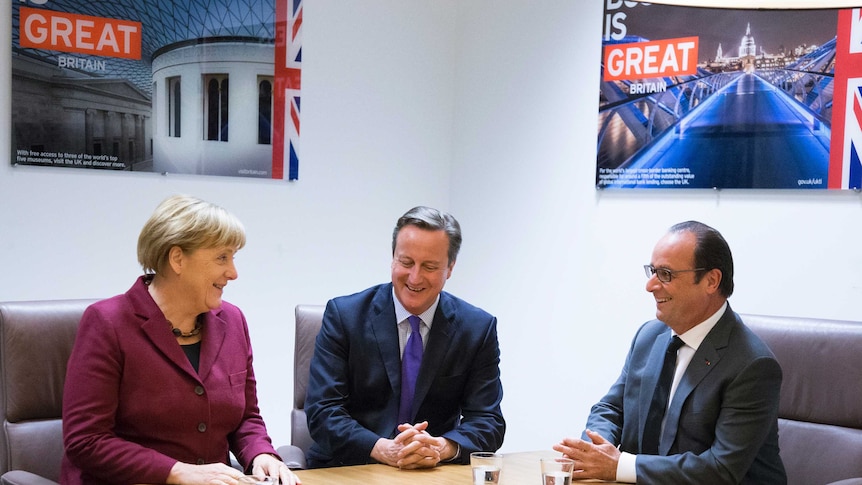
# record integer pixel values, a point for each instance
(752, 115)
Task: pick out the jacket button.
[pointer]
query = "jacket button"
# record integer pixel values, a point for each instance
(202, 427)
(199, 390)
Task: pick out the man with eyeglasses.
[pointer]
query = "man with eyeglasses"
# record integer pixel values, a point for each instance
(712, 415)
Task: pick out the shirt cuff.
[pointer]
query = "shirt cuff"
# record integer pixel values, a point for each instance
(626, 468)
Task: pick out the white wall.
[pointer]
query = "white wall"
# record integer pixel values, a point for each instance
(485, 108)
(376, 140)
(560, 263)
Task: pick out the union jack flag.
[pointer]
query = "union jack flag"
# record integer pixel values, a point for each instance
(845, 164)
(286, 96)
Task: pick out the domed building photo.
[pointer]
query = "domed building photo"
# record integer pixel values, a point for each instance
(155, 86)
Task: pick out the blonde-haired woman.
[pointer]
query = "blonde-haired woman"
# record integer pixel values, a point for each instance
(160, 385)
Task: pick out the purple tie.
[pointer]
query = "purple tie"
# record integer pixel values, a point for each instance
(410, 363)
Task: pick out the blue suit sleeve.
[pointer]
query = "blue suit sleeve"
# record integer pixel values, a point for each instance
(329, 421)
(482, 426)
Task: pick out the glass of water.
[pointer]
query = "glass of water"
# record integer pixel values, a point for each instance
(557, 471)
(486, 467)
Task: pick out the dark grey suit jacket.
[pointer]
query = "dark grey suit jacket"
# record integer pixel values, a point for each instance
(722, 424)
(354, 383)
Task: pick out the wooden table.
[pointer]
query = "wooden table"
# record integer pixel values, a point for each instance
(518, 469)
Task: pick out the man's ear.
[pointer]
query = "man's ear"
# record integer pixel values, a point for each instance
(449, 269)
(713, 279)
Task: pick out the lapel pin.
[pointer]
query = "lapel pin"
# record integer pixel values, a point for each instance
(707, 361)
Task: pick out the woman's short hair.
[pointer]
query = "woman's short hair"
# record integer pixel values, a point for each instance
(189, 223)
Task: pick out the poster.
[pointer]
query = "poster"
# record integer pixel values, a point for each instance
(694, 97)
(207, 87)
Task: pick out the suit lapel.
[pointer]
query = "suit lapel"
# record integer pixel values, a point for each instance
(443, 330)
(385, 329)
(702, 362)
(156, 327)
(214, 333)
(655, 362)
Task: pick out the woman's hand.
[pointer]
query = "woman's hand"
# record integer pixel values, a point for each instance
(270, 466)
(211, 474)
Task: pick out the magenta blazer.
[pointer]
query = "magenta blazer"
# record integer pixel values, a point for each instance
(133, 405)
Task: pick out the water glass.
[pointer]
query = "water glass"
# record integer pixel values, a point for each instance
(486, 467)
(557, 471)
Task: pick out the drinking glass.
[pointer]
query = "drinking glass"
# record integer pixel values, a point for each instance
(557, 471)
(486, 467)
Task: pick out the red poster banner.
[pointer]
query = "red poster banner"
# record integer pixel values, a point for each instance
(666, 57)
(82, 34)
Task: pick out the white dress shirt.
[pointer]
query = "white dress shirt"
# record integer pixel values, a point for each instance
(404, 330)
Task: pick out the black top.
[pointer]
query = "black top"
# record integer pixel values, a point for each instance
(193, 352)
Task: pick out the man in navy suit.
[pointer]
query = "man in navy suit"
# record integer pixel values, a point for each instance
(720, 423)
(353, 399)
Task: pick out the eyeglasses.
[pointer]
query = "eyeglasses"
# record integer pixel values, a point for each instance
(665, 275)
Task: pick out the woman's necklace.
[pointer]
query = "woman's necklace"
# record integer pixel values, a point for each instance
(148, 279)
(179, 333)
